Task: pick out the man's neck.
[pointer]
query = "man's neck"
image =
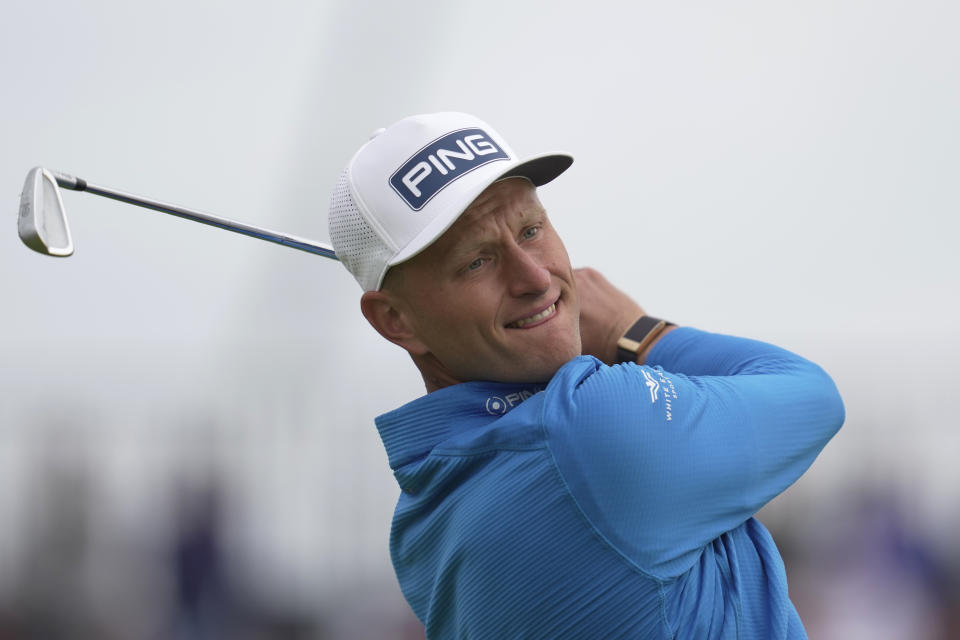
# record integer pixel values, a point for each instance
(435, 375)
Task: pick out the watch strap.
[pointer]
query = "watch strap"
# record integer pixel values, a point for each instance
(638, 337)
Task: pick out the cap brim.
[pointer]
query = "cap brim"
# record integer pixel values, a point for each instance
(539, 169)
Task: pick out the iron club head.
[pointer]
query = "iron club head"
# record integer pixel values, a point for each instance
(42, 223)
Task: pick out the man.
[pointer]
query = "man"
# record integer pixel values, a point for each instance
(545, 493)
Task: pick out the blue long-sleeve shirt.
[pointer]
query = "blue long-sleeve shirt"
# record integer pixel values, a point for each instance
(612, 502)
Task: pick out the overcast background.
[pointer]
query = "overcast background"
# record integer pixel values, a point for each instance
(784, 171)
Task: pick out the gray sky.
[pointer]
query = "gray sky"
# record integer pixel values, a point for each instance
(785, 171)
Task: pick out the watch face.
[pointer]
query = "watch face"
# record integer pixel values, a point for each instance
(642, 328)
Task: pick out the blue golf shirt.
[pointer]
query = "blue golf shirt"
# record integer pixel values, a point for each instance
(611, 502)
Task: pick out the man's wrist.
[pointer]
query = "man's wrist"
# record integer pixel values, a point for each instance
(637, 341)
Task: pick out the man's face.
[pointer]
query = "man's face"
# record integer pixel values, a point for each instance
(494, 297)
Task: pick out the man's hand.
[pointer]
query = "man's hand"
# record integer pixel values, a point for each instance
(605, 314)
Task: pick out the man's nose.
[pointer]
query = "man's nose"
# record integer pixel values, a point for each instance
(525, 273)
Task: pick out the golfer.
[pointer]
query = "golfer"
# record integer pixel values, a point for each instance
(577, 469)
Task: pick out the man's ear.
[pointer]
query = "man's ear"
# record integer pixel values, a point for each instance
(389, 317)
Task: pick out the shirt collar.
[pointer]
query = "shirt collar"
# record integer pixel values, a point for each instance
(411, 431)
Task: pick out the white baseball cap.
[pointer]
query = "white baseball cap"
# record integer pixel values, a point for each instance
(411, 181)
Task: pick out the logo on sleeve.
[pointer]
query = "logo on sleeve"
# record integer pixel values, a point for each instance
(652, 385)
(441, 162)
(662, 383)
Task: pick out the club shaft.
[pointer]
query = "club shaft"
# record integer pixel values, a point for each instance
(310, 246)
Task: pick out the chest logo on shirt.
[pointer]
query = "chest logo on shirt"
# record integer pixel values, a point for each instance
(499, 405)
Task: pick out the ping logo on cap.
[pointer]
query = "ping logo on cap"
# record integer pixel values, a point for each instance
(441, 162)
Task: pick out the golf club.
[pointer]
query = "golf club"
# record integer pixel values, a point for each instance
(42, 222)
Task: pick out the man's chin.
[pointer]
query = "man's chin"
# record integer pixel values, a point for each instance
(544, 372)
(531, 367)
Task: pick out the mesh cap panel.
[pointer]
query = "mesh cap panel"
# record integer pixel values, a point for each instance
(358, 246)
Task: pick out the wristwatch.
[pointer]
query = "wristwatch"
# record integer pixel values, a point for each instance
(638, 337)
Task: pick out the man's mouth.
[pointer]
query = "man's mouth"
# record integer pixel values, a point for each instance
(535, 318)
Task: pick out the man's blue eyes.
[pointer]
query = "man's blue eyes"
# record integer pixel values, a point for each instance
(526, 235)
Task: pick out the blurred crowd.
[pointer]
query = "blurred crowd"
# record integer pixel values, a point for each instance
(74, 569)
(182, 586)
(859, 567)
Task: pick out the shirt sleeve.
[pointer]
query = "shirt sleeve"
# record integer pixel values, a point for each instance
(663, 458)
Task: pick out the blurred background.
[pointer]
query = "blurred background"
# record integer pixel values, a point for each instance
(187, 447)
